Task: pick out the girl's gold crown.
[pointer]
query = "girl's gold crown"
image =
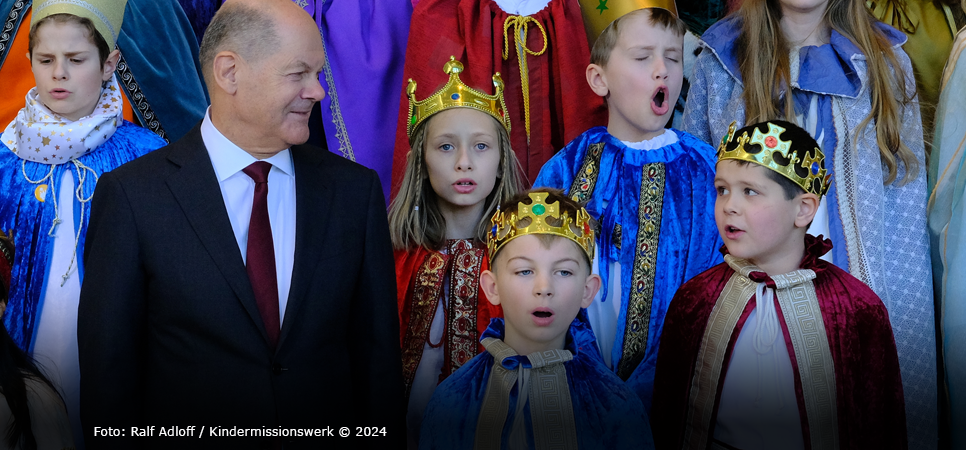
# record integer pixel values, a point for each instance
(797, 156)
(506, 226)
(455, 94)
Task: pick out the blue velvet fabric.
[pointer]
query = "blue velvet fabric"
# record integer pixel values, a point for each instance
(31, 219)
(688, 242)
(199, 14)
(607, 414)
(160, 47)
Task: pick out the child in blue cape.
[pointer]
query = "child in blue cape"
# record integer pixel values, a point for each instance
(541, 245)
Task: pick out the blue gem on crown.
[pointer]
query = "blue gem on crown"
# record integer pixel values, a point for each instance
(455, 96)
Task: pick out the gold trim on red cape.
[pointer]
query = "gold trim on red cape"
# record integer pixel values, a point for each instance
(802, 318)
(461, 264)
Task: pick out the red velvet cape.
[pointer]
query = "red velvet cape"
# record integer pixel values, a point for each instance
(562, 105)
(871, 411)
(408, 265)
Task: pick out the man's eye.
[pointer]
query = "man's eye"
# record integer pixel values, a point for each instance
(565, 273)
(524, 272)
(722, 190)
(750, 191)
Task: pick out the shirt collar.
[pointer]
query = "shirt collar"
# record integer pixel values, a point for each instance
(229, 159)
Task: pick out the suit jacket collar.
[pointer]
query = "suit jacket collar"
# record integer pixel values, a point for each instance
(196, 188)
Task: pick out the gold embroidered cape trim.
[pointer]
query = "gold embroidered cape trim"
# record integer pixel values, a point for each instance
(641, 293)
(582, 187)
(426, 288)
(796, 297)
(548, 394)
(10, 27)
(462, 336)
(463, 263)
(138, 101)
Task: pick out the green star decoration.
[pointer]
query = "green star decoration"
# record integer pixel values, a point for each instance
(602, 6)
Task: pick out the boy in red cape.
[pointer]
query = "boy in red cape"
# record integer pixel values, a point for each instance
(775, 348)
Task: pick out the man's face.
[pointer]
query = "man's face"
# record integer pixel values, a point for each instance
(276, 92)
(643, 77)
(67, 69)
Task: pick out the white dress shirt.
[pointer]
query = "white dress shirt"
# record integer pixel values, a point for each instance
(238, 190)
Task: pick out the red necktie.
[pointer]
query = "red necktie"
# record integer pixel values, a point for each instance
(260, 261)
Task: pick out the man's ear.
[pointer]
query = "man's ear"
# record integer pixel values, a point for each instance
(225, 71)
(488, 283)
(110, 64)
(591, 286)
(597, 80)
(807, 207)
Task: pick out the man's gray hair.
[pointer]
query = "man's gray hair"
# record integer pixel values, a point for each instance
(238, 28)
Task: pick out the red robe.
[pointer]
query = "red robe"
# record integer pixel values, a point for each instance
(420, 275)
(562, 105)
(868, 390)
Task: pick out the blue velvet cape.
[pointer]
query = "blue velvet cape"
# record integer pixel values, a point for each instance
(688, 242)
(608, 415)
(31, 219)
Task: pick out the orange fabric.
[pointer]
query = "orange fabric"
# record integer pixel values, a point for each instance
(17, 79)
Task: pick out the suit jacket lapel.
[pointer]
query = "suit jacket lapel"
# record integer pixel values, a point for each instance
(195, 187)
(313, 201)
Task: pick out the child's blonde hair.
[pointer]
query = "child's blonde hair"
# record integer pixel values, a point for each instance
(762, 54)
(657, 17)
(414, 216)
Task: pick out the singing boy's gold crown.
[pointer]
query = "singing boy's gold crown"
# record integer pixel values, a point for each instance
(599, 14)
(506, 225)
(797, 156)
(455, 94)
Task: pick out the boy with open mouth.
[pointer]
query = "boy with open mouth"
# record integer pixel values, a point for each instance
(649, 187)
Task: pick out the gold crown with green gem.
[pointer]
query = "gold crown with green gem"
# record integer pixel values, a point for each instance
(782, 147)
(455, 94)
(506, 226)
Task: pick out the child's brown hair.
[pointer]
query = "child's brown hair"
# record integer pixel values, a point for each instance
(92, 34)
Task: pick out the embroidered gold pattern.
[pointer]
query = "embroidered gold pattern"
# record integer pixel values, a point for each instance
(708, 368)
(803, 320)
(582, 188)
(816, 369)
(645, 265)
(462, 336)
(426, 290)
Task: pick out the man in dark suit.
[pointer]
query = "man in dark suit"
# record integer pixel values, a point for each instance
(236, 278)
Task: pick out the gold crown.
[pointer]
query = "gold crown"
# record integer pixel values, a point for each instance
(798, 158)
(599, 14)
(505, 225)
(455, 94)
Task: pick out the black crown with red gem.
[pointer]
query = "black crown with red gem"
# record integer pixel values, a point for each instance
(780, 146)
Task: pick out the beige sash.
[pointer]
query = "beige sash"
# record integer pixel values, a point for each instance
(803, 317)
(548, 394)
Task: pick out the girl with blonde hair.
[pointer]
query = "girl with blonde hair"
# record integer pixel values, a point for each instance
(832, 68)
(459, 169)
